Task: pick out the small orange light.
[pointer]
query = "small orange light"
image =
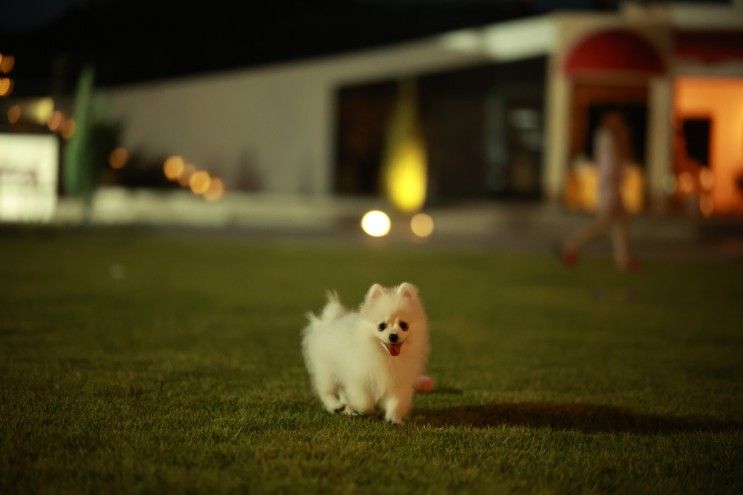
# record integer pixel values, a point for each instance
(185, 178)
(67, 129)
(14, 114)
(173, 167)
(706, 179)
(6, 63)
(6, 86)
(55, 120)
(215, 191)
(118, 158)
(685, 183)
(199, 182)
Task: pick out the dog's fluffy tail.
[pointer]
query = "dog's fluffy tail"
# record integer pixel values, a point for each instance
(332, 311)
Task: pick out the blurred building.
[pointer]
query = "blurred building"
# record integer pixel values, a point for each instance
(506, 111)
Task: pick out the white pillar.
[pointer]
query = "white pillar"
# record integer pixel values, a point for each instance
(660, 142)
(557, 135)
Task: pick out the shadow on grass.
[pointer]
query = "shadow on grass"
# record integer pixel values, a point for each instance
(587, 418)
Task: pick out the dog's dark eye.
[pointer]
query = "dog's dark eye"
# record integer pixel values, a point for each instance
(382, 326)
(403, 325)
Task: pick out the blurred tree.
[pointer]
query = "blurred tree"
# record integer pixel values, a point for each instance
(79, 174)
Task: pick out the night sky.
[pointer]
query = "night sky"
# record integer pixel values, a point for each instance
(136, 40)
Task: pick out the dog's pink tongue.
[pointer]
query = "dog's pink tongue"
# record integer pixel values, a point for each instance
(394, 349)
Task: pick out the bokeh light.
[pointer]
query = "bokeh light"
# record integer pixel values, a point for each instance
(685, 183)
(6, 62)
(173, 167)
(55, 120)
(118, 158)
(706, 179)
(6, 86)
(14, 114)
(67, 128)
(184, 178)
(215, 191)
(199, 182)
(421, 224)
(376, 223)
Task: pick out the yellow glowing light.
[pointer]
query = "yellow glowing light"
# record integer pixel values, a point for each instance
(173, 167)
(633, 189)
(118, 158)
(184, 179)
(55, 120)
(405, 155)
(375, 223)
(6, 86)
(14, 114)
(706, 205)
(67, 129)
(6, 63)
(706, 179)
(199, 182)
(421, 225)
(685, 183)
(215, 191)
(406, 176)
(40, 110)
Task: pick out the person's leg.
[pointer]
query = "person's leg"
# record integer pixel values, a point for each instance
(619, 241)
(575, 242)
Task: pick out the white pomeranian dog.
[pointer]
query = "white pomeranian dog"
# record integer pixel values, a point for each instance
(374, 356)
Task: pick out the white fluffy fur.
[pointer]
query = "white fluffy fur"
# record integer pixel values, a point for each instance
(346, 353)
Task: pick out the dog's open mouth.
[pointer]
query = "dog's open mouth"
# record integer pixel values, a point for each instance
(393, 349)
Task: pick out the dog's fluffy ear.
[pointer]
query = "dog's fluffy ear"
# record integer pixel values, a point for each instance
(407, 289)
(374, 292)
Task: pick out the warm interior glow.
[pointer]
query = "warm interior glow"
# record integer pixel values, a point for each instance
(706, 205)
(375, 223)
(721, 100)
(405, 155)
(581, 191)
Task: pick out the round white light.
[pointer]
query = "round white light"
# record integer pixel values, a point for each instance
(375, 223)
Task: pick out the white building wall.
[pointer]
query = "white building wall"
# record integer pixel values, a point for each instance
(278, 123)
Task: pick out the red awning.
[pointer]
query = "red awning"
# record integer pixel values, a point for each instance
(613, 51)
(708, 46)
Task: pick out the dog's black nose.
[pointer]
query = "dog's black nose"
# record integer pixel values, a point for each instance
(393, 337)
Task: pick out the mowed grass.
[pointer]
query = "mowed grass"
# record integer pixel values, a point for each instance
(133, 362)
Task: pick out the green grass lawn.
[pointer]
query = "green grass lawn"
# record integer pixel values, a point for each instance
(132, 362)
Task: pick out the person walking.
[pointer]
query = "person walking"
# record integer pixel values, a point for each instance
(612, 150)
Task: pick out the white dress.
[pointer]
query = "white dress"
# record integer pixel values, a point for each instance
(610, 172)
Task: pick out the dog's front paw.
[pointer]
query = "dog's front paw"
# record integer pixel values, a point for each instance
(395, 420)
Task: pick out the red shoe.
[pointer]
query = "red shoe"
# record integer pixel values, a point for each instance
(632, 266)
(567, 257)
